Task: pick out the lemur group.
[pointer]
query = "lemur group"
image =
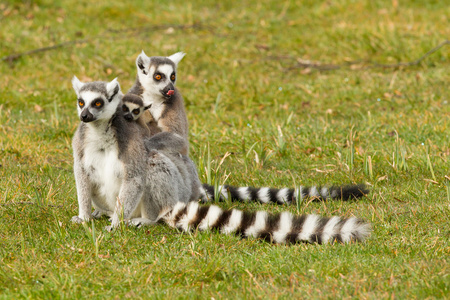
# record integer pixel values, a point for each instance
(131, 163)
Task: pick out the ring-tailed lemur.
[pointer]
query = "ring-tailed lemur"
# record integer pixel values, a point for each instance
(117, 174)
(155, 83)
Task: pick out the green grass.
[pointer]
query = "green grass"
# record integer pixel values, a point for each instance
(282, 125)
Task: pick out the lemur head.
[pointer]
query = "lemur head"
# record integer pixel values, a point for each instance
(157, 74)
(97, 100)
(133, 107)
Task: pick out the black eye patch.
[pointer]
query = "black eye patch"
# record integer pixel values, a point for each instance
(98, 103)
(81, 103)
(158, 76)
(125, 108)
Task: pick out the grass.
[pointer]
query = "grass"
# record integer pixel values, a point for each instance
(256, 118)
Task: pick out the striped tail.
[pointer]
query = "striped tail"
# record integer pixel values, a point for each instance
(282, 196)
(283, 228)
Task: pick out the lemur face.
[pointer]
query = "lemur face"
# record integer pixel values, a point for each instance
(131, 111)
(132, 107)
(164, 77)
(96, 100)
(157, 74)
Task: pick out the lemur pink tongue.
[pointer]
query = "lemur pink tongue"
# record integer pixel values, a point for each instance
(170, 92)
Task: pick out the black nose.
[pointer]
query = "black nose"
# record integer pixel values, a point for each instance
(86, 116)
(128, 117)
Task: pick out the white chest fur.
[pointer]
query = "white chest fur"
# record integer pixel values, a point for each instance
(103, 166)
(156, 110)
(157, 104)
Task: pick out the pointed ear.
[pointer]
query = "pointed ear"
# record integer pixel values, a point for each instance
(177, 57)
(147, 107)
(143, 63)
(77, 85)
(112, 88)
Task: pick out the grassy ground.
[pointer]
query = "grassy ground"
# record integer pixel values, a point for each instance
(293, 92)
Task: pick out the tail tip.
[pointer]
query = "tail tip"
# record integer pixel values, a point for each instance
(363, 231)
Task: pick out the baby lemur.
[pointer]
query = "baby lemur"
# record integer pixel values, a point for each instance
(155, 84)
(134, 110)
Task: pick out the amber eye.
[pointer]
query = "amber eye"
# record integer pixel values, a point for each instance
(136, 111)
(124, 108)
(158, 77)
(98, 103)
(81, 103)
(172, 77)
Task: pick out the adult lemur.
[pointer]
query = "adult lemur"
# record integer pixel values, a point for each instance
(120, 176)
(155, 85)
(114, 171)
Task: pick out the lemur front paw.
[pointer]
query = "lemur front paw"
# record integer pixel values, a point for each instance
(112, 226)
(134, 223)
(77, 219)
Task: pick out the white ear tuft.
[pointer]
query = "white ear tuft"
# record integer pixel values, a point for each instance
(143, 62)
(112, 88)
(177, 57)
(77, 85)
